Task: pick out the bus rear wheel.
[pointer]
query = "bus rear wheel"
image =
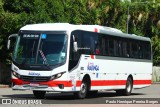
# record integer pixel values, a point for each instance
(39, 94)
(83, 91)
(128, 89)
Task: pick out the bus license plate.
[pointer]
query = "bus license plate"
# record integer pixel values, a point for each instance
(34, 84)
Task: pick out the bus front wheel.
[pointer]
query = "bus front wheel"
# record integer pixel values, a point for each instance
(39, 94)
(83, 91)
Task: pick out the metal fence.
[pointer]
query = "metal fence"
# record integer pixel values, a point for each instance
(156, 74)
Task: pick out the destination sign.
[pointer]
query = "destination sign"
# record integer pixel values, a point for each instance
(30, 36)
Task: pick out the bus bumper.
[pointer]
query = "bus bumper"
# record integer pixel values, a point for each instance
(41, 88)
(57, 86)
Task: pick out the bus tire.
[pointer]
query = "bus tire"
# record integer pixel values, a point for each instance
(129, 86)
(39, 94)
(128, 89)
(83, 91)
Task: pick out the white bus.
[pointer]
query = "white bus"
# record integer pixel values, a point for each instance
(61, 57)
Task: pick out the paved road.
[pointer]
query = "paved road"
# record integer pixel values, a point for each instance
(56, 98)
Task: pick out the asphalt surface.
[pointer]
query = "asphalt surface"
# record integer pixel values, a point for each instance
(67, 98)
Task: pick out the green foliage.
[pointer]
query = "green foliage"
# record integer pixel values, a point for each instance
(144, 17)
(156, 49)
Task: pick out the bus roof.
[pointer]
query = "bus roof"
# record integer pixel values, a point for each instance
(91, 28)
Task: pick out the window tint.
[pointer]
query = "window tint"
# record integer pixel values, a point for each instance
(147, 50)
(111, 47)
(134, 48)
(107, 45)
(140, 50)
(126, 49)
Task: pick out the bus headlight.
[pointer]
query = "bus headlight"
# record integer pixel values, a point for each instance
(57, 75)
(16, 74)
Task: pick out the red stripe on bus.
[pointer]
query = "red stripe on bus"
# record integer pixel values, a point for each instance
(139, 82)
(49, 83)
(17, 81)
(107, 82)
(118, 82)
(78, 83)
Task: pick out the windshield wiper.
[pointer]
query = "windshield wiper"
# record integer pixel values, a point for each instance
(44, 59)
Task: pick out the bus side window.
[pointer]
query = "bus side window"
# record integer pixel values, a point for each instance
(147, 50)
(103, 47)
(126, 49)
(134, 50)
(111, 48)
(92, 46)
(97, 49)
(74, 56)
(140, 51)
(106, 49)
(86, 43)
(118, 48)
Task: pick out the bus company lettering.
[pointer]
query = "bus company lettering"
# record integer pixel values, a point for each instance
(92, 67)
(34, 74)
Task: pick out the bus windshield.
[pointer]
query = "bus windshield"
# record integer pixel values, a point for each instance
(40, 48)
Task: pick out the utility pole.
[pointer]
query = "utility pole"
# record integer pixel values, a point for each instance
(128, 17)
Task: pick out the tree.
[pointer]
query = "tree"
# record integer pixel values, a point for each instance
(144, 17)
(156, 49)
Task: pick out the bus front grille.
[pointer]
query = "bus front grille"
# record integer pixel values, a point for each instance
(35, 78)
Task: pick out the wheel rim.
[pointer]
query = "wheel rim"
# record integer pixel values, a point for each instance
(129, 87)
(83, 88)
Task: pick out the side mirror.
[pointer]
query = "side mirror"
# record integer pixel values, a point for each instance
(9, 41)
(75, 46)
(8, 44)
